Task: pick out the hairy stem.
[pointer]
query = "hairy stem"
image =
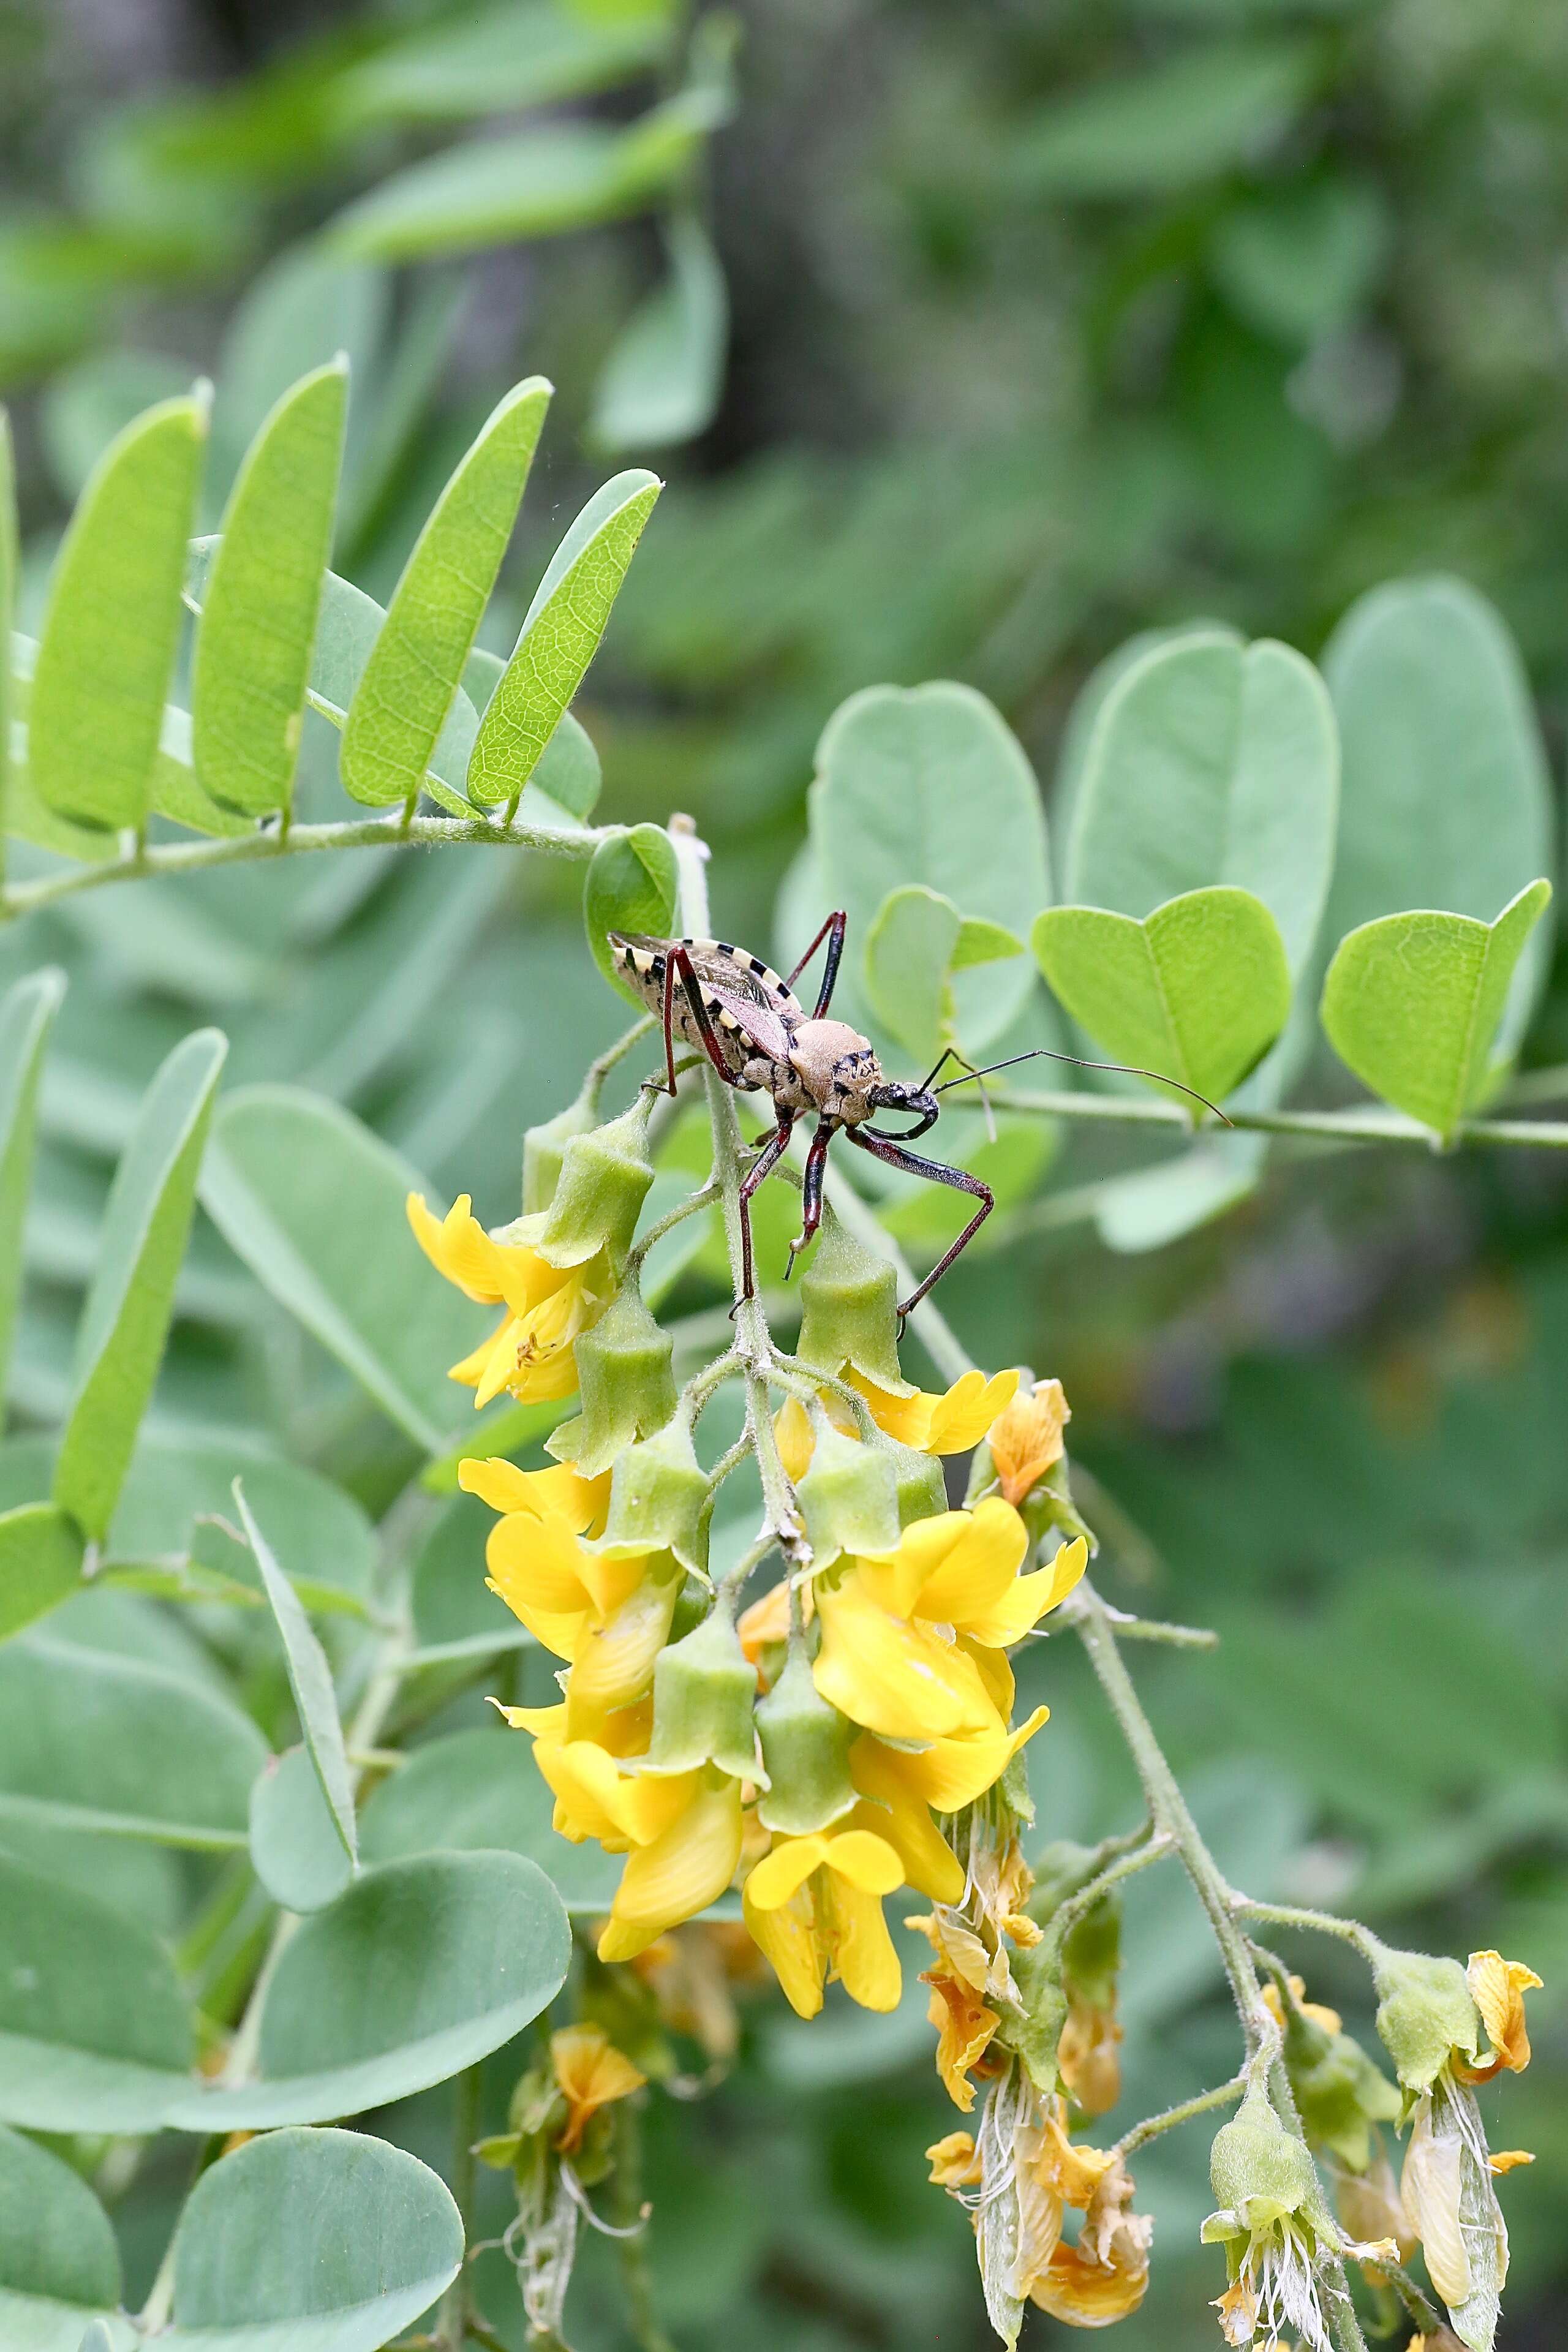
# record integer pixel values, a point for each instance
(1315, 1923)
(1152, 2126)
(241, 849)
(1369, 1126)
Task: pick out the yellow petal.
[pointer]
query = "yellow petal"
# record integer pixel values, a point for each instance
(603, 1802)
(1028, 1598)
(543, 1722)
(1498, 1988)
(613, 1663)
(537, 1564)
(892, 1677)
(978, 1570)
(797, 1444)
(773, 1880)
(787, 1937)
(929, 1862)
(1027, 1439)
(864, 1960)
(1084, 2293)
(590, 2072)
(558, 1493)
(863, 1860)
(458, 1246)
(678, 1875)
(954, 2162)
(964, 2027)
(951, 1773)
(964, 1414)
(1509, 2160)
(767, 1619)
(907, 1419)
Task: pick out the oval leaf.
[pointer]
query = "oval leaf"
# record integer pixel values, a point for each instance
(1197, 991)
(314, 1205)
(111, 629)
(416, 665)
(1412, 1003)
(1448, 795)
(58, 2260)
(928, 785)
(126, 1316)
(40, 1563)
(94, 1742)
(311, 2242)
(661, 382)
(559, 638)
(26, 1016)
(632, 886)
(295, 1849)
(310, 1679)
(483, 1789)
(263, 595)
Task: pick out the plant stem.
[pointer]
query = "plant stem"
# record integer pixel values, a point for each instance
(633, 2249)
(451, 2328)
(1152, 2126)
(242, 849)
(1374, 1124)
(1153, 1629)
(1315, 1923)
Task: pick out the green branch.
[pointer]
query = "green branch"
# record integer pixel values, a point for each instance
(1373, 1125)
(355, 833)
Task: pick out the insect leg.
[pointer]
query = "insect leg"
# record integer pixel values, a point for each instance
(681, 965)
(893, 1155)
(833, 932)
(761, 1168)
(669, 1025)
(811, 1191)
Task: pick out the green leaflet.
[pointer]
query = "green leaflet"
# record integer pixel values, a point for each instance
(1413, 1005)
(126, 1316)
(661, 382)
(113, 1745)
(515, 54)
(633, 884)
(296, 1848)
(416, 665)
(112, 626)
(1184, 119)
(314, 1203)
(928, 785)
(915, 945)
(311, 1680)
(59, 2259)
(27, 1015)
(40, 1563)
(1198, 991)
(263, 595)
(559, 638)
(477, 1789)
(323, 2241)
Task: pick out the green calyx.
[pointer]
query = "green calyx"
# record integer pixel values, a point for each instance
(624, 1382)
(848, 1497)
(850, 1310)
(598, 1196)
(704, 1687)
(805, 1749)
(656, 1493)
(1339, 2092)
(1261, 2172)
(1424, 2013)
(544, 1152)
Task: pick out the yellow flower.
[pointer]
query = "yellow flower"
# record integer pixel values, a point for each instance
(1498, 1988)
(590, 2072)
(530, 1351)
(949, 1424)
(955, 2163)
(1026, 1440)
(882, 1775)
(680, 1872)
(814, 1906)
(904, 1633)
(1089, 2055)
(964, 2026)
(1104, 2276)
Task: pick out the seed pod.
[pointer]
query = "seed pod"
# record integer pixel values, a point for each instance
(656, 1493)
(848, 1497)
(704, 1687)
(598, 1197)
(850, 1310)
(805, 1747)
(624, 1382)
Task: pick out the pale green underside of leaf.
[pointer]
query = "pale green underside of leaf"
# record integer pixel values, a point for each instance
(27, 1015)
(310, 1679)
(632, 886)
(296, 1850)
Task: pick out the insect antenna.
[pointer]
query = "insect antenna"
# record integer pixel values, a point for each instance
(1124, 1069)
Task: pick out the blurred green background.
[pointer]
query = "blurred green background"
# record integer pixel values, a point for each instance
(971, 337)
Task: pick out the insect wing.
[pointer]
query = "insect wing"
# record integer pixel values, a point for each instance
(742, 998)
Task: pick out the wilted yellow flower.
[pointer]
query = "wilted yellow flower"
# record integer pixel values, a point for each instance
(814, 1906)
(530, 1351)
(955, 2161)
(964, 2027)
(1498, 1988)
(1104, 2276)
(1328, 2018)
(1026, 1440)
(591, 2073)
(904, 1633)
(1090, 2056)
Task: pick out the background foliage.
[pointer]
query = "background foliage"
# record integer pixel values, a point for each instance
(1046, 327)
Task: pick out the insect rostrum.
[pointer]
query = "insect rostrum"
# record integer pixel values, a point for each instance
(760, 1038)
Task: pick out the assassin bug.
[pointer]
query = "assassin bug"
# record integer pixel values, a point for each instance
(760, 1038)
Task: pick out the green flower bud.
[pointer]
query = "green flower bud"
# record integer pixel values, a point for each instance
(916, 1480)
(656, 1493)
(850, 1310)
(624, 1382)
(1339, 2091)
(805, 1747)
(544, 1148)
(603, 1182)
(1261, 2172)
(704, 1687)
(848, 1497)
(1425, 2013)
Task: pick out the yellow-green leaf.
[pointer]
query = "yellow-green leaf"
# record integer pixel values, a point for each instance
(40, 1564)
(26, 1014)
